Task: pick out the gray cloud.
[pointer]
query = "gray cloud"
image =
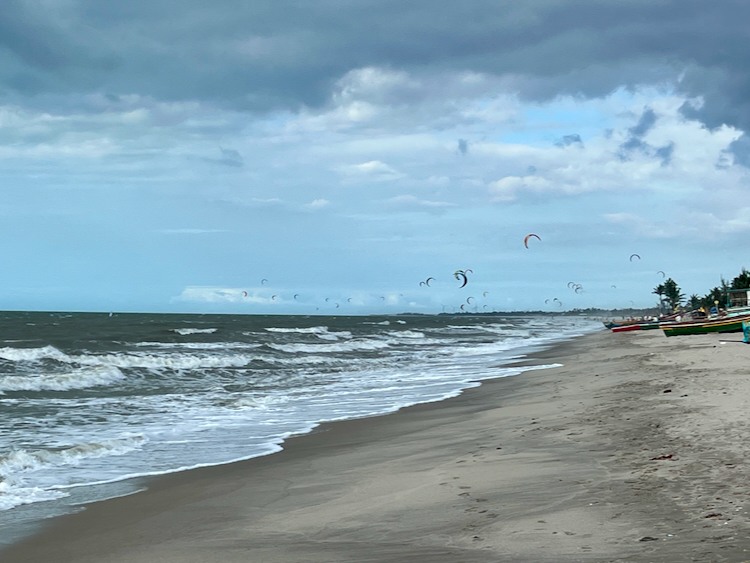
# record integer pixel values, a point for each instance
(645, 123)
(231, 157)
(572, 139)
(275, 54)
(635, 140)
(740, 149)
(665, 153)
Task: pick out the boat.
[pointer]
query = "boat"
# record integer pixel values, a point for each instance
(644, 325)
(622, 323)
(728, 323)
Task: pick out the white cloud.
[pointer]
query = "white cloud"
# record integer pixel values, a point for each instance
(371, 170)
(319, 203)
(507, 189)
(412, 203)
(207, 294)
(213, 294)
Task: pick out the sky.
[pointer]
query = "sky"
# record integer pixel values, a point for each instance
(328, 157)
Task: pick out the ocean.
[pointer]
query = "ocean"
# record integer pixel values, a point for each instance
(92, 403)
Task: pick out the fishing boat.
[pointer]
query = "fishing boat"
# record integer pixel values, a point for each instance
(623, 323)
(729, 323)
(643, 325)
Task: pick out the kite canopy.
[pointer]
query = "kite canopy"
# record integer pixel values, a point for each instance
(460, 275)
(634, 256)
(527, 237)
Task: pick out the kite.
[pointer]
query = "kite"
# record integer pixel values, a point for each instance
(527, 237)
(460, 275)
(634, 256)
(662, 274)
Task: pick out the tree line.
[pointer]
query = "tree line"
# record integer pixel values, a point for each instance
(671, 297)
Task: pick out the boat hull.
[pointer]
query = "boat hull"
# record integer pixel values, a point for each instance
(731, 324)
(637, 326)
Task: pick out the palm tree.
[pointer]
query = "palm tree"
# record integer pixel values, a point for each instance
(716, 294)
(659, 290)
(673, 294)
(742, 281)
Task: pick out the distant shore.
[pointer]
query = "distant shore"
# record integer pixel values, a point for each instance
(633, 450)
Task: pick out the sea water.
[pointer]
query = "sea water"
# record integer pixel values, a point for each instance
(89, 403)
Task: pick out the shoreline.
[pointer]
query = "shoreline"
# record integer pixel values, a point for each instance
(591, 461)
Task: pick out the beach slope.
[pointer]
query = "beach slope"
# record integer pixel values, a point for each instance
(632, 450)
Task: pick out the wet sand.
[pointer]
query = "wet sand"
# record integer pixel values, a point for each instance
(634, 450)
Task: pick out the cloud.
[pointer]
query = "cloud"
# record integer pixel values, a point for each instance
(645, 123)
(463, 146)
(568, 140)
(218, 295)
(209, 294)
(265, 56)
(510, 187)
(231, 157)
(740, 150)
(371, 170)
(319, 203)
(665, 153)
(413, 203)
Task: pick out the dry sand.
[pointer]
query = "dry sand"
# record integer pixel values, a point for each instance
(634, 450)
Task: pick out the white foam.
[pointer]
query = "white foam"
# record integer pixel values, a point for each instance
(21, 461)
(321, 332)
(94, 376)
(348, 346)
(406, 334)
(32, 354)
(187, 331)
(12, 496)
(165, 361)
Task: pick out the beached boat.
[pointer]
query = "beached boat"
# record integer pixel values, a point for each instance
(643, 323)
(624, 323)
(731, 323)
(647, 325)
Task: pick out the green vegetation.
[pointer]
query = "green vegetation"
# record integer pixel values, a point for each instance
(671, 297)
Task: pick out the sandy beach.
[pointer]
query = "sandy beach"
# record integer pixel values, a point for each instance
(633, 450)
